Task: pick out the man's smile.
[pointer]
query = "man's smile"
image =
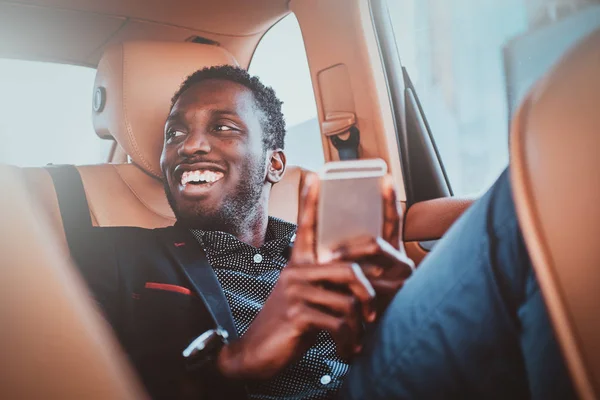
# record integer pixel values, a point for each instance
(197, 179)
(200, 177)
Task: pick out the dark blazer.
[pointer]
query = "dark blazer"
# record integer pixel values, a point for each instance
(156, 287)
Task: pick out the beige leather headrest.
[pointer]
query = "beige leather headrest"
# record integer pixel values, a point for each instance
(555, 171)
(133, 89)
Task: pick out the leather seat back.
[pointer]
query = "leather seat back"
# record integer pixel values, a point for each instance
(555, 150)
(132, 93)
(58, 346)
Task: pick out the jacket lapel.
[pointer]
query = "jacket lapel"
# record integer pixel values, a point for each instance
(189, 258)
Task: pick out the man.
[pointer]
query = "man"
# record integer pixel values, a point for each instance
(291, 330)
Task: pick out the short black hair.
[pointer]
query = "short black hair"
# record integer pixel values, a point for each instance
(274, 126)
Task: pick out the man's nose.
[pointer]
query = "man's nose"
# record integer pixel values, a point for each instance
(195, 142)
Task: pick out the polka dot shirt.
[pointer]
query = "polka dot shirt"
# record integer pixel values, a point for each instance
(247, 276)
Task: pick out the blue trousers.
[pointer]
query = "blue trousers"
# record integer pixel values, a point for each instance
(470, 322)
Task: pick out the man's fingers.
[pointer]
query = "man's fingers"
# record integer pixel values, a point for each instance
(364, 246)
(304, 247)
(365, 292)
(337, 303)
(345, 307)
(346, 331)
(343, 275)
(391, 263)
(391, 215)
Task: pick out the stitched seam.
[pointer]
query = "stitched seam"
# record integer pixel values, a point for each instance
(130, 136)
(140, 199)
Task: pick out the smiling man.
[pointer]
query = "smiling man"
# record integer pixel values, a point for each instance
(270, 322)
(217, 179)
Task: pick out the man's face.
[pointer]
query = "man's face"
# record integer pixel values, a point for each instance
(214, 161)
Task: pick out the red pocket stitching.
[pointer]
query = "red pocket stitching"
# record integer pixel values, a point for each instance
(168, 288)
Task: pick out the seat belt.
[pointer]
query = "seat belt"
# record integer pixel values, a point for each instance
(72, 203)
(75, 214)
(347, 148)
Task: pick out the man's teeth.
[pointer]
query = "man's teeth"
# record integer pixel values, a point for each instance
(200, 176)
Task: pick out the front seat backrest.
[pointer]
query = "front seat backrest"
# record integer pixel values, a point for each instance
(555, 151)
(53, 342)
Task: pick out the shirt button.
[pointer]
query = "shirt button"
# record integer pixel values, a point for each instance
(325, 380)
(257, 258)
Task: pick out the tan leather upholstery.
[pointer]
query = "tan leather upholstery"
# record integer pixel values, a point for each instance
(78, 32)
(429, 220)
(415, 252)
(555, 150)
(139, 79)
(286, 194)
(123, 195)
(117, 154)
(53, 343)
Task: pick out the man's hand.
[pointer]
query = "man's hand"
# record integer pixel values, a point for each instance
(308, 298)
(382, 259)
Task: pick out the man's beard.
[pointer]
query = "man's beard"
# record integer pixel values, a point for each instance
(237, 212)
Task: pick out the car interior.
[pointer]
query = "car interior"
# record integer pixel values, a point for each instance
(368, 104)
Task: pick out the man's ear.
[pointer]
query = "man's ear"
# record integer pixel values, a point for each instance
(276, 166)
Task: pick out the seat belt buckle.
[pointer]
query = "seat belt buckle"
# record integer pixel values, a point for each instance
(338, 124)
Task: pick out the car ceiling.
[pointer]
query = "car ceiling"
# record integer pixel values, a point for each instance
(77, 31)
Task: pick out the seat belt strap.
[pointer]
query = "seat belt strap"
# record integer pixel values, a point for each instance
(347, 148)
(72, 202)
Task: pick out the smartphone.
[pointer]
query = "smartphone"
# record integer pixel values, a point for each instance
(350, 203)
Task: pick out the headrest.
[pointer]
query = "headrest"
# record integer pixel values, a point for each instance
(133, 89)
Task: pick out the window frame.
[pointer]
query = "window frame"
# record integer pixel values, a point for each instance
(428, 180)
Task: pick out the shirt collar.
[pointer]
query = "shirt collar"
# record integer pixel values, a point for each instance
(280, 234)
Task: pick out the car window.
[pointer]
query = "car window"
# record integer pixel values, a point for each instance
(454, 54)
(280, 62)
(45, 115)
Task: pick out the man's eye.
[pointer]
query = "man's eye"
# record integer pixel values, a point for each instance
(223, 128)
(174, 133)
